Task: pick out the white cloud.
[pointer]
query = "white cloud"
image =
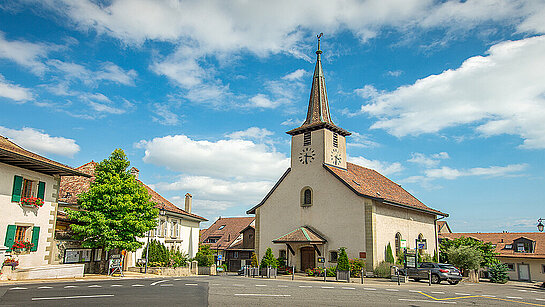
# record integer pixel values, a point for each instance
(102, 104)
(108, 72)
(283, 91)
(39, 142)
(500, 92)
(296, 75)
(385, 168)
(262, 101)
(29, 55)
(164, 115)
(492, 171)
(14, 92)
(368, 91)
(292, 122)
(252, 133)
(428, 161)
(395, 73)
(360, 140)
(232, 158)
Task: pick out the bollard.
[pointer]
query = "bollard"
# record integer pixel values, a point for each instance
(292, 272)
(397, 274)
(362, 276)
(325, 274)
(429, 277)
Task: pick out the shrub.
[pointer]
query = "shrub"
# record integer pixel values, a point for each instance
(158, 254)
(254, 260)
(383, 270)
(342, 260)
(389, 254)
(331, 271)
(177, 258)
(400, 258)
(205, 256)
(269, 259)
(498, 273)
(281, 262)
(315, 272)
(356, 265)
(435, 258)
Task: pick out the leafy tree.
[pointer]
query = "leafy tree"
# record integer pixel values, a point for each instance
(115, 210)
(268, 259)
(342, 260)
(205, 256)
(465, 257)
(400, 258)
(487, 249)
(389, 254)
(434, 259)
(498, 273)
(254, 260)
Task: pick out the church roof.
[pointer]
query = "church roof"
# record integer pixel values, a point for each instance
(301, 235)
(318, 106)
(370, 183)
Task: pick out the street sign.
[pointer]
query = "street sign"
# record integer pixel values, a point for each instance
(321, 259)
(422, 244)
(403, 243)
(410, 259)
(219, 257)
(115, 264)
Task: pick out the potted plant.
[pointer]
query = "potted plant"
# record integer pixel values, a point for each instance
(343, 266)
(13, 263)
(21, 246)
(32, 202)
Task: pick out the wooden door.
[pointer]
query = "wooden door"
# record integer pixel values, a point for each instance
(307, 258)
(524, 272)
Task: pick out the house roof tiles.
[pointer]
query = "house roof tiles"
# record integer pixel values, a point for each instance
(232, 226)
(301, 235)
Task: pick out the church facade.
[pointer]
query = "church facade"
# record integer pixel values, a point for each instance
(322, 202)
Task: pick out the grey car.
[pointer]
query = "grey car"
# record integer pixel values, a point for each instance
(439, 272)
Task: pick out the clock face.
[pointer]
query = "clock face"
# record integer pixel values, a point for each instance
(307, 155)
(336, 158)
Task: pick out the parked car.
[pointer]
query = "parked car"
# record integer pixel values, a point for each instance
(439, 272)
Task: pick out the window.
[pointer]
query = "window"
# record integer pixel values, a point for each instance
(306, 139)
(174, 229)
(333, 256)
(24, 187)
(306, 196)
(235, 255)
(335, 140)
(21, 234)
(27, 188)
(212, 240)
(543, 268)
(508, 246)
(221, 227)
(398, 243)
(510, 266)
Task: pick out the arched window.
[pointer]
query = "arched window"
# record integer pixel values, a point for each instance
(420, 237)
(306, 196)
(398, 243)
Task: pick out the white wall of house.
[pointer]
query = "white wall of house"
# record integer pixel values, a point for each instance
(534, 268)
(15, 214)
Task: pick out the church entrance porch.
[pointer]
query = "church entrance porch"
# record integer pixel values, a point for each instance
(308, 259)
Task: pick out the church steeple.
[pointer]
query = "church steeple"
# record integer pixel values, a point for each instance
(318, 106)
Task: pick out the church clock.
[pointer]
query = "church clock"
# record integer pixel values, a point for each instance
(336, 157)
(307, 155)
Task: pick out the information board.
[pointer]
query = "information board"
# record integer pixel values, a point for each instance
(76, 255)
(410, 260)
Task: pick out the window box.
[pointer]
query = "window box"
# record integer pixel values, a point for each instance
(32, 202)
(22, 247)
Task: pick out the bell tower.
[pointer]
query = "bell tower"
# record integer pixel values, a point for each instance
(318, 140)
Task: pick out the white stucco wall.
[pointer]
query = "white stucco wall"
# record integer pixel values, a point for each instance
(15, 214)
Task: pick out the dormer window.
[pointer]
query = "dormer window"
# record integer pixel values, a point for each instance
(221, 227)
(523, 245)
(212, 240)
(508, 246)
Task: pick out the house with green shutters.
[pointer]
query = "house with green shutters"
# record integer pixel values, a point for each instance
(29, 186)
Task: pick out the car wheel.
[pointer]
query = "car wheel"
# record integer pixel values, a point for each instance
(435, 279)
(453, 281)
(416, 279)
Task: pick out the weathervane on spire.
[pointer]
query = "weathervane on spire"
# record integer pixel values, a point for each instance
(319, 36)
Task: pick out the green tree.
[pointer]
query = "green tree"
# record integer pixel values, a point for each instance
(205, 256)
(356, 265)
(115, 210)
(342, 260)
(465, 257)
(158, 254)
(498, 273)
(435, 259)
(254, 260)
(389, 254)
(269, 259)
(487, 249)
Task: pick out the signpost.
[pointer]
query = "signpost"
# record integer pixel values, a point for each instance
(322, 260)
(115, 264)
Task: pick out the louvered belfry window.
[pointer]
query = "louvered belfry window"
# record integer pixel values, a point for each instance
(335, 140)
(306, 139)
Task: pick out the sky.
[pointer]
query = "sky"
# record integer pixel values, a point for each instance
(446, 98)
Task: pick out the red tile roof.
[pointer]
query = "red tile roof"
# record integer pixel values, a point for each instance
(500, 239)
(301, 235)
(13, 154)
(370, 183)
(228, 234)
(72, 186)
(443, 227)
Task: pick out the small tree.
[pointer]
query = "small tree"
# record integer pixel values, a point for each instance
(488, 251)
(205, 256)
(254, 262)
(342, 260)
(158, 254)
(389, 254)
(269, 259)
(400, 257)
(467, 258)
(498, 273)
(114, 211)
(435, 259)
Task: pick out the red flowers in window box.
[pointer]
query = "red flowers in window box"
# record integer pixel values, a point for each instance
(32, 201)
(10, 262)
(22, 245)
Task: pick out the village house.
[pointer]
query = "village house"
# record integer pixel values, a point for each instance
(322, 202)
(522, 252)
(233, 239)
(177, 228)
(29, 185)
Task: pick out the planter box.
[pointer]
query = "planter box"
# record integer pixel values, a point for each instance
(343, 276)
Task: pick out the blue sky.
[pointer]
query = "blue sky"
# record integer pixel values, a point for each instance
(446, 98)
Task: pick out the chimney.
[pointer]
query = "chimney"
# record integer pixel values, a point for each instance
(188, 199)
(134, 171)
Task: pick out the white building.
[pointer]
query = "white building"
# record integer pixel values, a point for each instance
(323, 203)
(24, 174)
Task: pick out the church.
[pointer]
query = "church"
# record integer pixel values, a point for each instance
(322, 202)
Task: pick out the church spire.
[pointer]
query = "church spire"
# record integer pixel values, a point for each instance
(318, 105)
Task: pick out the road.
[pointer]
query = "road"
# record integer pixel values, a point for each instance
(241, 291)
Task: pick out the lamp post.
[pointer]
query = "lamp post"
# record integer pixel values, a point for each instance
(147, 255)
(540, 225)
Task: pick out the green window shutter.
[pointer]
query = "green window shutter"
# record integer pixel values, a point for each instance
(17, 186)
(41, 190)
(35, 238)
(10, 236)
